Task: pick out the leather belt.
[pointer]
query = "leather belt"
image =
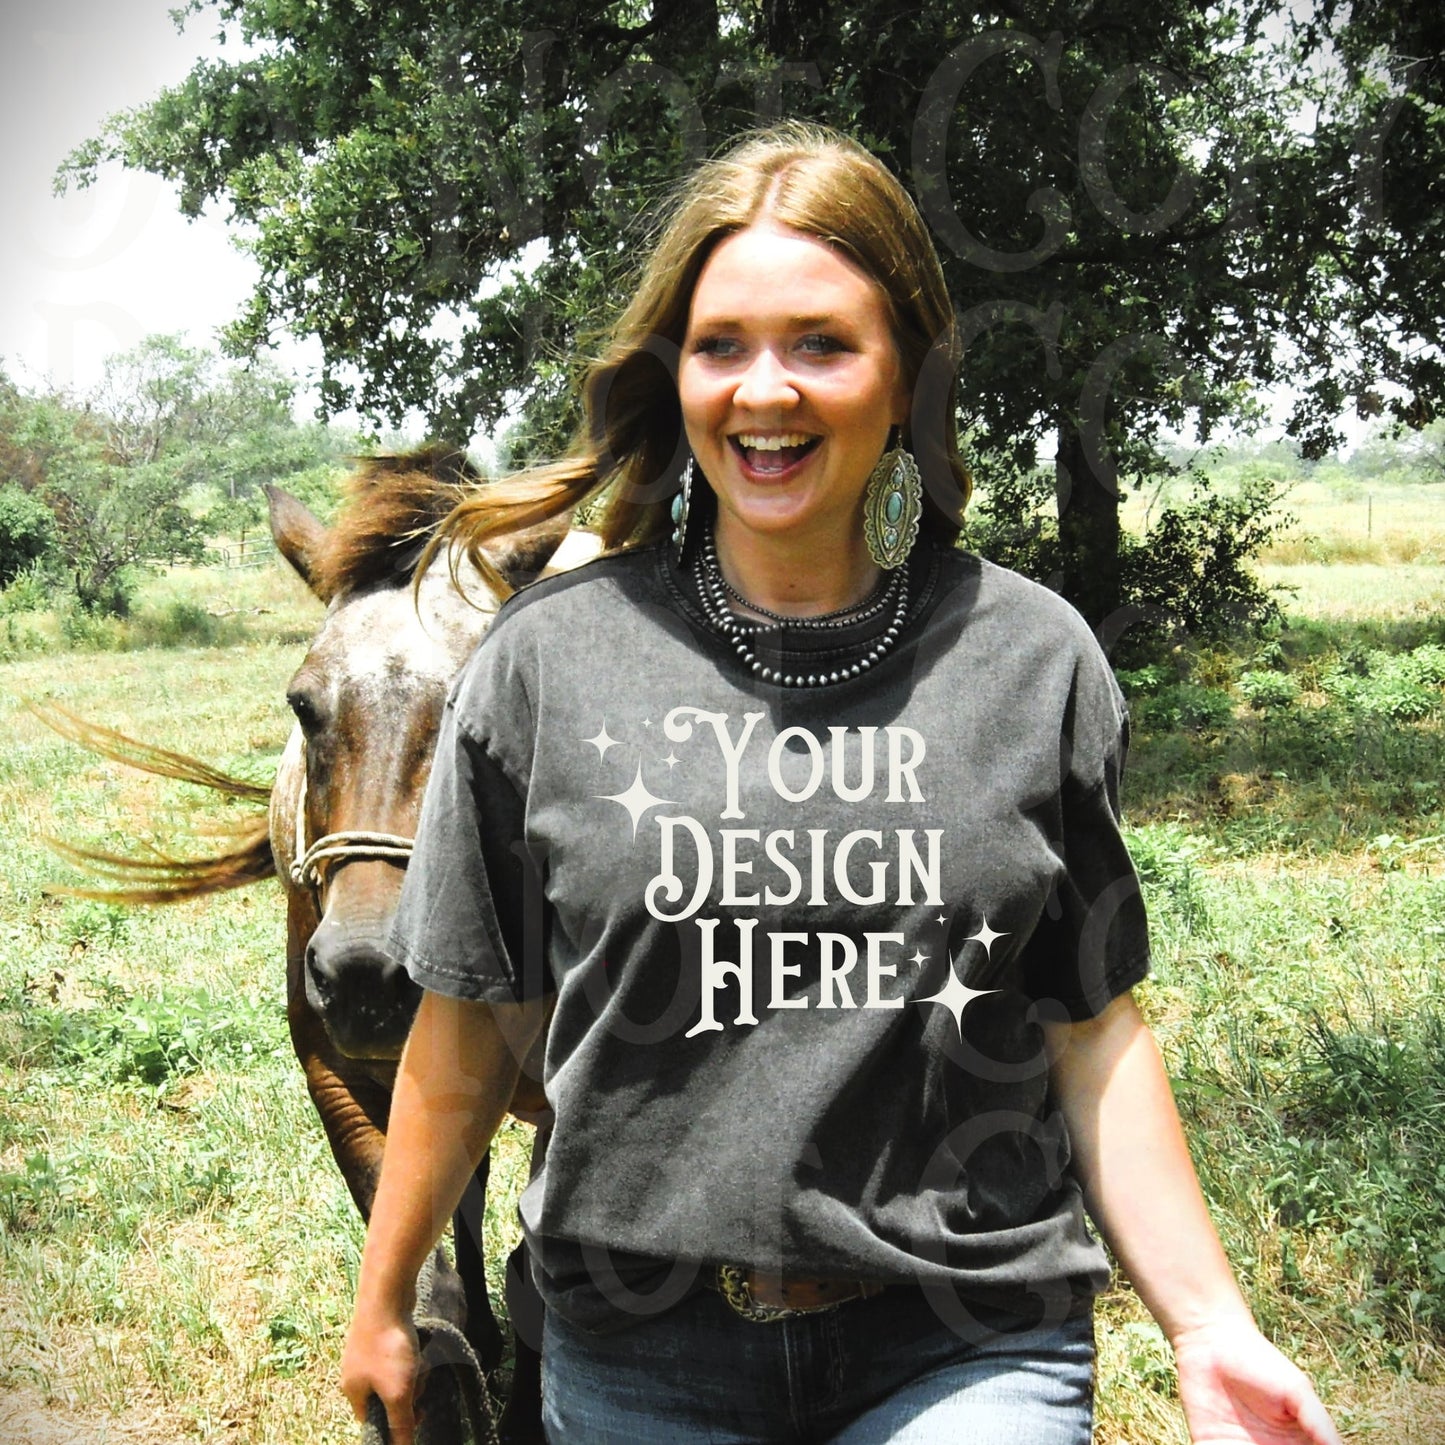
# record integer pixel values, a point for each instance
(762, 1297)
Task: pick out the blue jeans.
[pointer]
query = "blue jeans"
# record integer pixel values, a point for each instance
(880, 1369)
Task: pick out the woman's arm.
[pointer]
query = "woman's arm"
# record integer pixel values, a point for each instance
(1140, 1188)
(455, 1081)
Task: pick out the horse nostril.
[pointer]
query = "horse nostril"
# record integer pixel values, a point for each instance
(362, 993)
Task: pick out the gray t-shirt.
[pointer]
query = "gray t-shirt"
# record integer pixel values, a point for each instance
(802, 940)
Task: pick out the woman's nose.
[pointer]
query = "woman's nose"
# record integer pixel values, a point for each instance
(766, 382)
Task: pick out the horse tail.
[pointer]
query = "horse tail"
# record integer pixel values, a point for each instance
(243, 857)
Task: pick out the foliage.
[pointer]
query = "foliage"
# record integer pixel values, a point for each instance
(1187, 577)
(1386, 272)
(1348, 1155)
(1266, 690)
(1190, 572)
(1393, 456)
(1402, 686)
(162, 397)
(1137, 230)
(1185, 707)
(148, 1040)
(105, 517)
(1342, 740)
(26, 531)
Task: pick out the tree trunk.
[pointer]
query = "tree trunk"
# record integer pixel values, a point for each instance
(1088, 529)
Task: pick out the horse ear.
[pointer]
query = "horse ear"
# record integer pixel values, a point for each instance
(300, 537)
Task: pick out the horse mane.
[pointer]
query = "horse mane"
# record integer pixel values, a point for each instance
(394, 504)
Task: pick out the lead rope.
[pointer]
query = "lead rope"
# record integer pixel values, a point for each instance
(349, 843)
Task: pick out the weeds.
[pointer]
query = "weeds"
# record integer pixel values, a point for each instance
(151, 1040)
(1319, 745)
(1346, 1138)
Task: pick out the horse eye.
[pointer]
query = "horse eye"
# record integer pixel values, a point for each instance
(307, 713)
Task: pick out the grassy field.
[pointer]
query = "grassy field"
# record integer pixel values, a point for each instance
(178, 1252)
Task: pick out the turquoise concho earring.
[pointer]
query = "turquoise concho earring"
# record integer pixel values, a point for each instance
(892, 508)
(681, 506)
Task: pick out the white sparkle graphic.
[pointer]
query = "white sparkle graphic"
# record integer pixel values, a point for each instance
(919, 957)
(671, 760)
(956, 996)
(985, 936)
(637, 799)
(942, 919)
(647, 722)
(602, 742)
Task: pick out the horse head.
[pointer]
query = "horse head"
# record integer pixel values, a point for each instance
(368, 699)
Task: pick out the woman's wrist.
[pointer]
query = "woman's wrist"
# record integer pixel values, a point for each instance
(385, 1290)
(1196, 1322)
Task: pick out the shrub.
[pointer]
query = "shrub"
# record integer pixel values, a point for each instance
(1187, 577)
(1144, 681)
(1268, 691)
(1184, 705)
(1402, 686)
(183, 624)
(1190, 572)
(30, 590)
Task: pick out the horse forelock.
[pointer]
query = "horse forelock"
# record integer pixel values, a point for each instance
(394, 505)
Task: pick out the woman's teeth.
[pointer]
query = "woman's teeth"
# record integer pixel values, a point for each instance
(773, 453)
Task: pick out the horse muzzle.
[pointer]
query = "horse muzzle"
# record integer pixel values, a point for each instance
(361, 993)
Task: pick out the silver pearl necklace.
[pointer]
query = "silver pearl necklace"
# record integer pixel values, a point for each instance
(738, 633)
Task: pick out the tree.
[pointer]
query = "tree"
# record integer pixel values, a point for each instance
(164, 399)
(106, 518)
(1137, 225)
(167, 447)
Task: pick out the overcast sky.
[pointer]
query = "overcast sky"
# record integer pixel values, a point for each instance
(95, 271)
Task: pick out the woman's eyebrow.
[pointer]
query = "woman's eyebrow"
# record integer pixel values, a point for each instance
(792, 323)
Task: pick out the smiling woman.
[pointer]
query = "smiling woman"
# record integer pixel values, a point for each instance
(788, 394)
(833, 1089)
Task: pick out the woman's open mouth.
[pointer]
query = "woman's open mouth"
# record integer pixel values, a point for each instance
(772, 455)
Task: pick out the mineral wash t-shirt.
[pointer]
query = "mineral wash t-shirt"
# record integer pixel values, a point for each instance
(802, 940)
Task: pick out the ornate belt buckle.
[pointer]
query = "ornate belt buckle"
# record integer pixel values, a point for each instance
(732, 1284)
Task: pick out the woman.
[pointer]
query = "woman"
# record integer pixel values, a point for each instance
(806, 823)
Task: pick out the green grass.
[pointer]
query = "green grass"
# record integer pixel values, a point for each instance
(202, 607)
(177, 1252)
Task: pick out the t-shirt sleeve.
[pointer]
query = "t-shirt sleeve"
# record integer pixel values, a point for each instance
(1092, 942)
(470, 922)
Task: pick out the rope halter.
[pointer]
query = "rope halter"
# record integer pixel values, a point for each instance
(310, 865)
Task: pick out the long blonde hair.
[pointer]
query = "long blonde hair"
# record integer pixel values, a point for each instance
(630, 444)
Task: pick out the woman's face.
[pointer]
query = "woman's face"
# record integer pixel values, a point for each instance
(789, 381)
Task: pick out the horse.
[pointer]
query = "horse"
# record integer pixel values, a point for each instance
(341, 813)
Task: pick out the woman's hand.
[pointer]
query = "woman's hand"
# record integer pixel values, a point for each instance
(1236, 1387)
(1130, 1155)
(458, 1072)
(382, 1358)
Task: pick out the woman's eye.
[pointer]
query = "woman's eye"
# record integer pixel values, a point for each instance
(716, 346)
(818, 344)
